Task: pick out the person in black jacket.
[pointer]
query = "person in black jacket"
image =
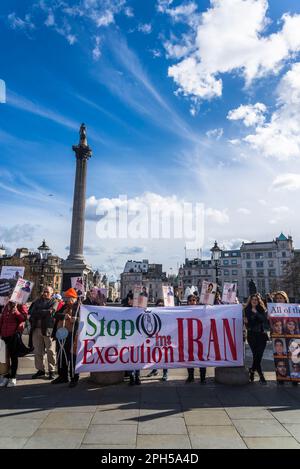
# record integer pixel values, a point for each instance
(41, 320)
(65, 332)
(255, 318)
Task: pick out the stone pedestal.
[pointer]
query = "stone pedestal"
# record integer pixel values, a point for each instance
(233, 375)
(107, 378)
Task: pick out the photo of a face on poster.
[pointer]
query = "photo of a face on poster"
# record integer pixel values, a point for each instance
(140, 297)
(78, 285)
(229, 293)
(168, 296)
(22, 291)
(276, 326)
(279, 347)
(282, 369)
(291, 326)
(208, 293)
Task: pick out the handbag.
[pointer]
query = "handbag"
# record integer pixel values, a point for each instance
(20, 347)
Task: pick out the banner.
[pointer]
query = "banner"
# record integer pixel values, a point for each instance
(22, 291)
(229, 293)
(284, 321)
(168, 295)
(140, 296)
(208, 293)
(12, 272)
(112, 339)
(78, 285)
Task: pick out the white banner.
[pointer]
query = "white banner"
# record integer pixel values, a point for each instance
(112, 339)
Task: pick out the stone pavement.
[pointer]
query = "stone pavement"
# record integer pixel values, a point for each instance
(156, 414)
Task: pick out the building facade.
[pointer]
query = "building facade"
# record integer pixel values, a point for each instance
(142, 273)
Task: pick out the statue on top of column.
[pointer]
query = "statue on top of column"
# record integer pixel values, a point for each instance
(82, 133)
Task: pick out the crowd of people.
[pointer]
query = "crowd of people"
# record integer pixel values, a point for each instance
(54, 322)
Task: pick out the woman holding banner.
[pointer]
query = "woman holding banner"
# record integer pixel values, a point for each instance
(255, 317)
(12, 323)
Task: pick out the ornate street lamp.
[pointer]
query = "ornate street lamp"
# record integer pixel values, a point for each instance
(216, 255)
(44, 251)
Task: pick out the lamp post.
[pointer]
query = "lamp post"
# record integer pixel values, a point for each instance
(216, 255)
(44, 252)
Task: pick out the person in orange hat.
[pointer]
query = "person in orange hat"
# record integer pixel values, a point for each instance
(64, 331)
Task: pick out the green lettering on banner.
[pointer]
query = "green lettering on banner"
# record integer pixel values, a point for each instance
(124, 334)
(92, 324)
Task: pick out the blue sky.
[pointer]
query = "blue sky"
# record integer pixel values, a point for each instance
(183, 100)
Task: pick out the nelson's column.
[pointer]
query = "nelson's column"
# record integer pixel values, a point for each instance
(75, 265)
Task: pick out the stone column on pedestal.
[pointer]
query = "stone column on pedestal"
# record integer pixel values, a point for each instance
(75, 265)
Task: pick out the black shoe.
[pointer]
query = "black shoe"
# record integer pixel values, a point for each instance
(202, 381)
(152, 373)
(51, 375)
(73, 383)
(190, 379)
(295, 383)
(280, 382)
(59, 380)
(262, 379)
(38, 374)
(138, 381)
(251, 375)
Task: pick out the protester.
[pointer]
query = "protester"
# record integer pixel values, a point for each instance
(192, 301)
(280, 297)
(154, 371)
(41, 319)
(65, 332)
(12, 323)
(255, 317)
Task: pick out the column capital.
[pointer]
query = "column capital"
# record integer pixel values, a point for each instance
(82, 152)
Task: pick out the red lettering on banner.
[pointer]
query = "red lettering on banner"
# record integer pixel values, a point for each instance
(192, 339)
(180, 340)
(86, 351)
(99, 352)
(114, 355)
(122, 350)
(213, 339)
(231, 340)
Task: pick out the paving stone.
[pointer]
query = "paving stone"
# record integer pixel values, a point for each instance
(121, 417)
(55, 438)
(158, 426)
(111, 447)
(287, 416)
(215, 437)
(109, 434)
(163, 441)
(206, 417)
(81, 408)
(68, 420)
(293, 429)
(259, 428)
(256, 413)
(16, 427)
(272, 443)
(12, 442)
(160, 412)
(25, 413)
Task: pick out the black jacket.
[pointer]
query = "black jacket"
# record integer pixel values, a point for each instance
(43, 310)
(255, 321)
(60, 316)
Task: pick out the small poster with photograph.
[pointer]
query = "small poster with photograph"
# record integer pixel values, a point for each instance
(140, 296)
(168, 296)
(282, 369)
(78, 285)
(12, 272)
(208, 293)
(22, 291)
(279, 347)
(99, 295)
(229, 293)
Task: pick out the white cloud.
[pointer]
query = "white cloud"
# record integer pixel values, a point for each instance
(231, 37)
(16, 22)
(280, 137)
(217, 216)
(129, 12)
(145, 28)
(289, 181)
(215, 133)
(249, 114)
(244, 211)
(97, 51)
